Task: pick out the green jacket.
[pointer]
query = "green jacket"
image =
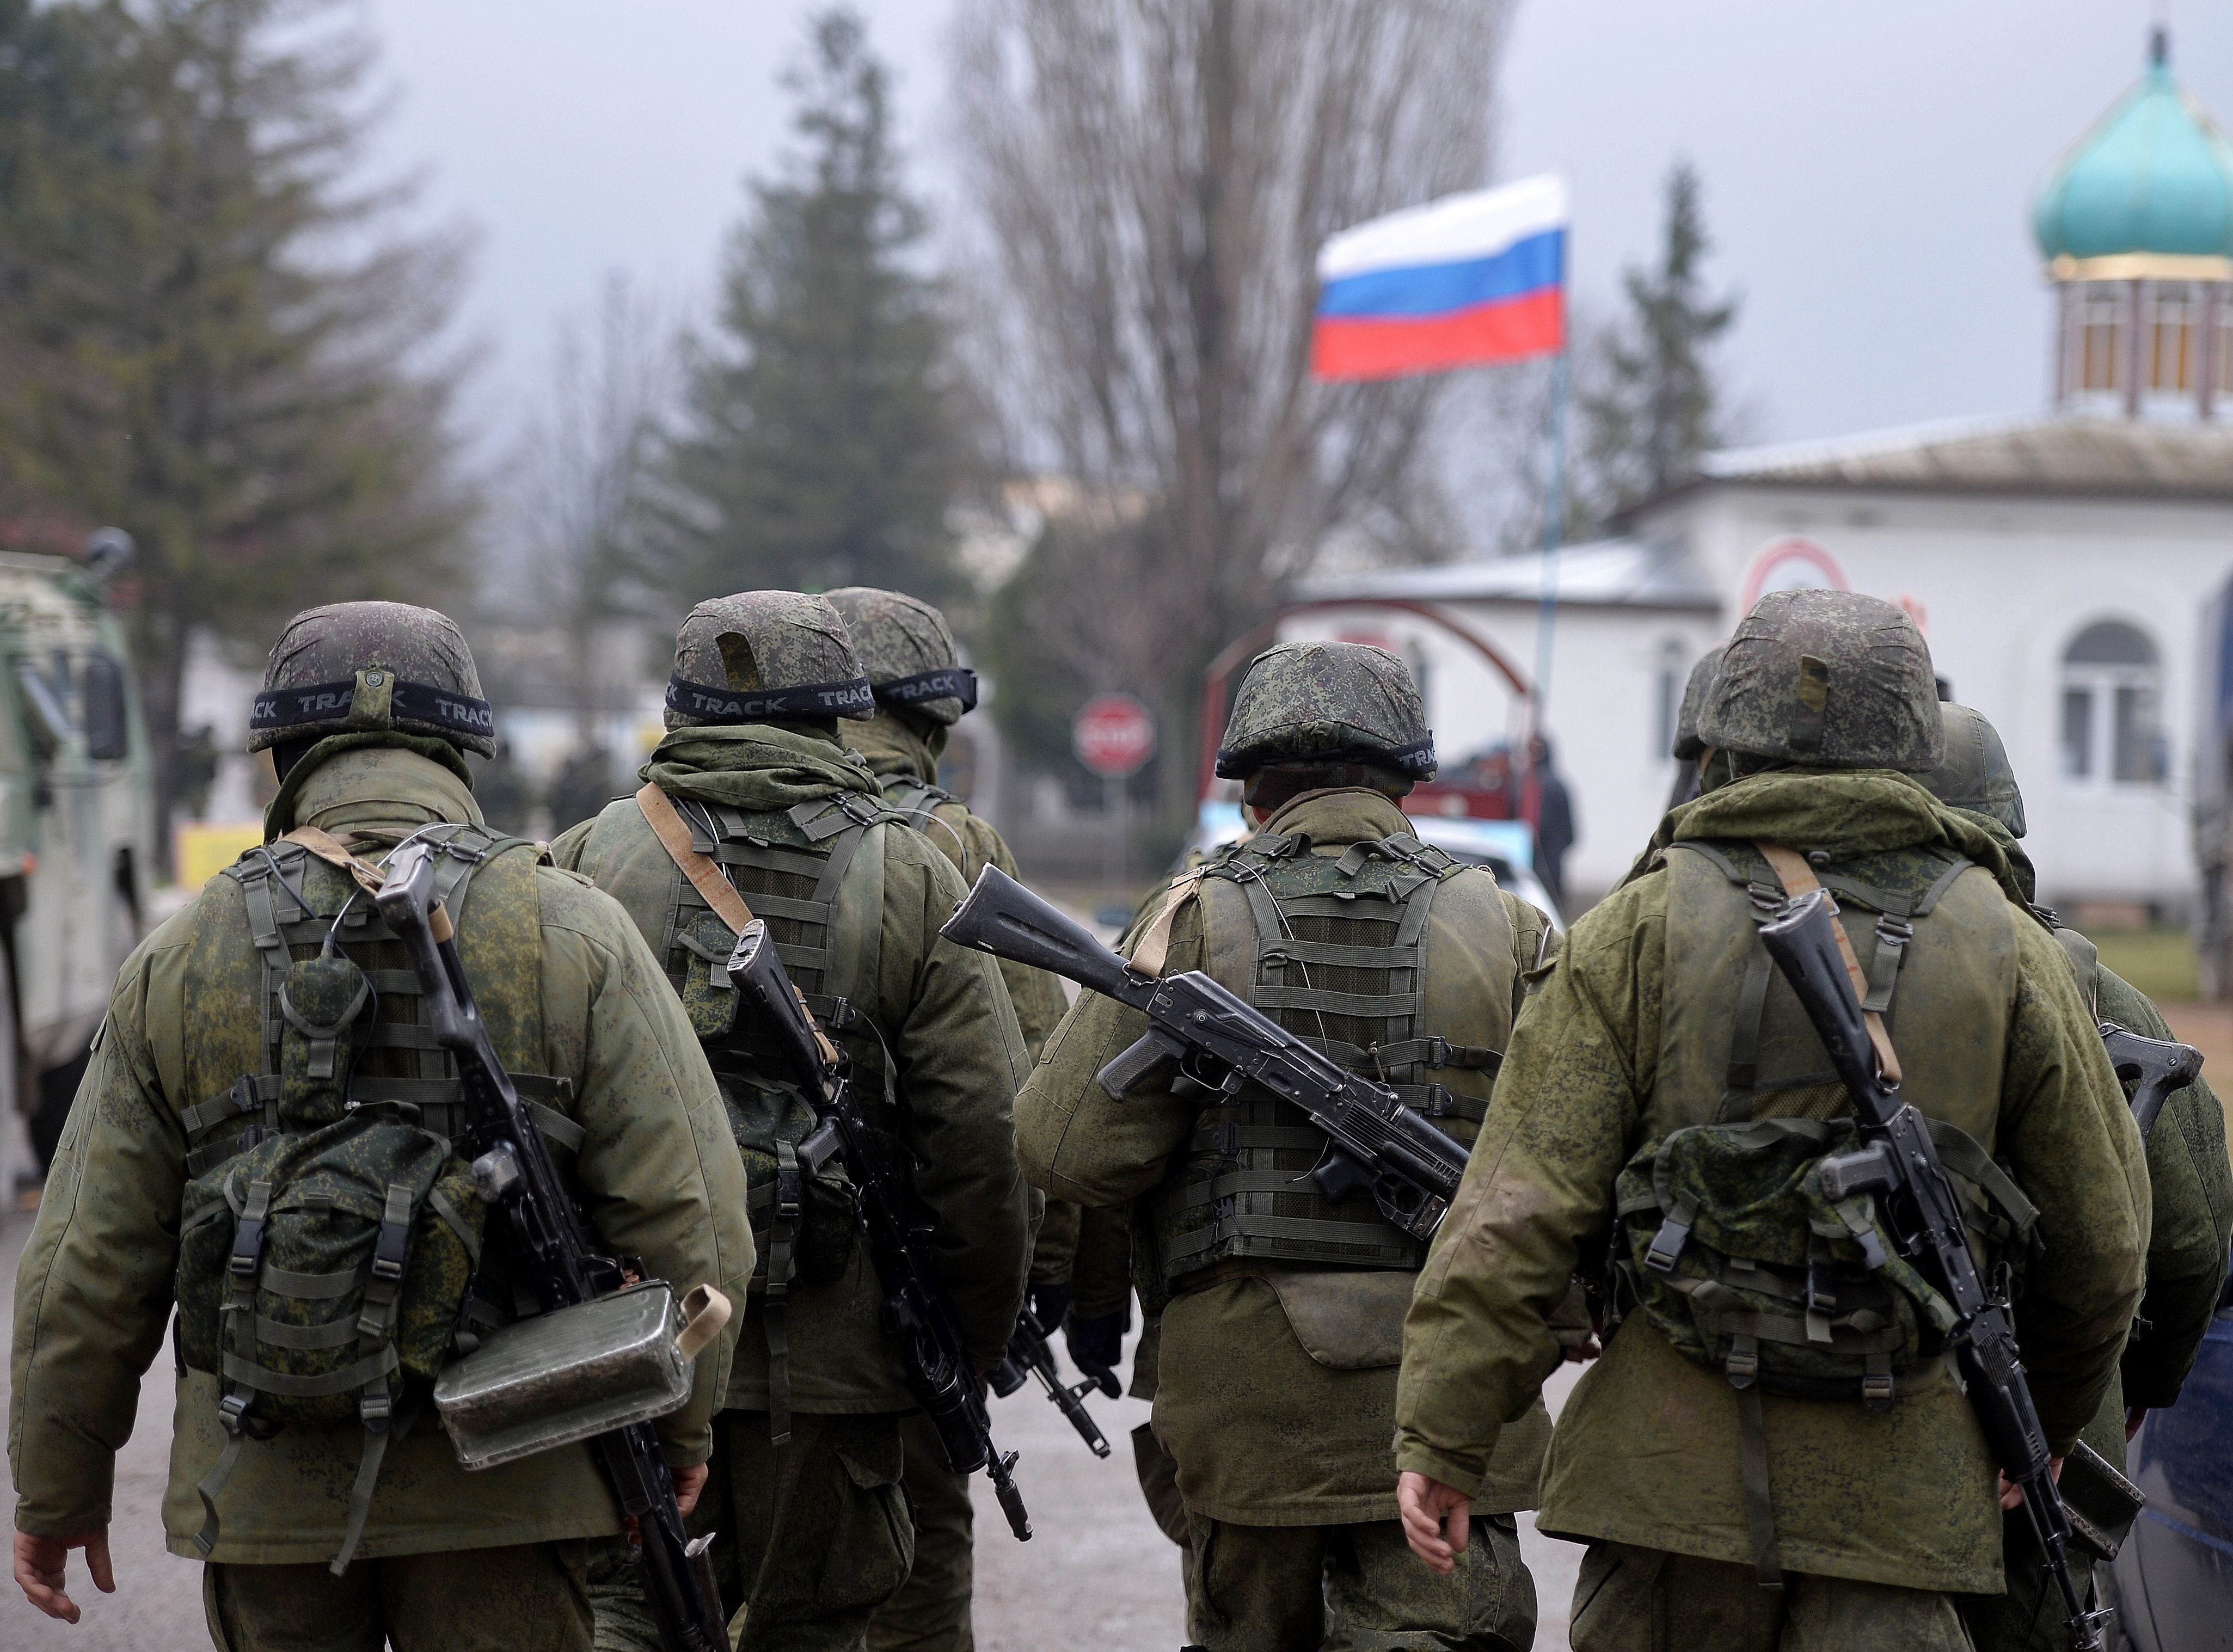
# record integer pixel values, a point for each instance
(948, 1023)
(901, 758)
(655, 1169)
(1276, 1386)
(1647, 1449)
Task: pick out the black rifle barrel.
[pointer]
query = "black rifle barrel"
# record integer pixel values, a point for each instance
(1923, 1215)
(550, 1245)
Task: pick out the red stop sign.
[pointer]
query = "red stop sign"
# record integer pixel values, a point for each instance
(1113, 735)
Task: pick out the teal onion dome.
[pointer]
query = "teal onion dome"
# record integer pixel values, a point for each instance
(2151, 185)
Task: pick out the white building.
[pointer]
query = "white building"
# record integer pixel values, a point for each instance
(2070, 571)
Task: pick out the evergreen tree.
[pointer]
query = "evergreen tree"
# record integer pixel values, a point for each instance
(1648, 404)
(818, 452)
(206, 336)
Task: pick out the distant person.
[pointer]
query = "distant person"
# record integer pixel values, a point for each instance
(1553, 810)
(197, 758)
(583, 787)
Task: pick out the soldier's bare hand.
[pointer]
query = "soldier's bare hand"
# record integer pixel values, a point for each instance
(41, 1564)
(2012, 1494)
(688, 1483)
(1430, 1509)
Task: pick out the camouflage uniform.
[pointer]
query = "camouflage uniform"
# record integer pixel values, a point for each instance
(922, 690)
(2187, 1173)
(1877, 1515)
(1278, 1310)
(382, 696)
(815, 1533)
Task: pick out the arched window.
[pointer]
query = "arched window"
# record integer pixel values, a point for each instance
(2111, 692)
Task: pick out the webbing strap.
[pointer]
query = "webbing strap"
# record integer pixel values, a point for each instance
(250, 1093)
(1154, 948)
(1759, 1506)
(782, 1263)
(274, 1333)
(310, 1287)
(249, 1374)
(213, 1482)
(1798, 879)
(360, 1505)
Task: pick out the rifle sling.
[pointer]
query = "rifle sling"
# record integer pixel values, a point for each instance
(1798, 879)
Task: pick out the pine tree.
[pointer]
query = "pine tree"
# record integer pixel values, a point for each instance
(818, 452)
(206, 336)
(1649, 406)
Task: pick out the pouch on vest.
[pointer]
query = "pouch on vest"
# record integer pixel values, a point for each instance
(1740, 1257)
(767, 1120)
(708, 997)
(323, 1267)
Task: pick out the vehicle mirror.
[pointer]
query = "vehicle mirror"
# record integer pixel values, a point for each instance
(107, 726)
(42, 709)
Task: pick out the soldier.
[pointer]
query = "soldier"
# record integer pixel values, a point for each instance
(2193, 1189)
(922, 690)
(1844, 1514)
(1690, 751)
(366, 709)
(1280, 1309)
(752, 795)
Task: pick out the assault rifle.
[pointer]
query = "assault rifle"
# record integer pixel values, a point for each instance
(1898, 1164)
(512, 1169)
(916, 1309)
(1374, 1143)
(2153, 1066)
(1028, 1352)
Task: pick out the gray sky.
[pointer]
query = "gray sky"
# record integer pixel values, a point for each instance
(1868, 169)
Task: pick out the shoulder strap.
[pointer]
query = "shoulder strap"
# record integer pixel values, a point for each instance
(1798, 878)
(704, 877)
(1154, 948)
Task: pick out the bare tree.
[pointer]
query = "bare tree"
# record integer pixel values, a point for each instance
(581, 479)
(1153, 179)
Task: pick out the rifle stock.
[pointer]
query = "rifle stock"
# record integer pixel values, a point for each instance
(2154, 1066)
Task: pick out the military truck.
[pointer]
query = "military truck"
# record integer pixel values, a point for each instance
(76, 827)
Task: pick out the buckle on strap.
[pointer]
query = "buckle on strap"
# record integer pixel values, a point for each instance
(248, 1238)
(395, 1234)
(1666, 1247)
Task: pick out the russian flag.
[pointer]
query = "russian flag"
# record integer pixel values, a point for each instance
(1468, 279)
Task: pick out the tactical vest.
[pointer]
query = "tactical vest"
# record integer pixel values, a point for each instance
(815, 874)
(1374, 957)
(331, 1248)
(1723, 1237)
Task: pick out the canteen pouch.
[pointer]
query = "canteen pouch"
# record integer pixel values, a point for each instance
(2103, 1503)
(566, 1376)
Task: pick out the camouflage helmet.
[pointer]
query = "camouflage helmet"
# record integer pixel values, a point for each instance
(760, 655)
(1688, 746)
(1827, 678)
(910, 654)
(1975, 773)
(1327, 702)
(353, 667)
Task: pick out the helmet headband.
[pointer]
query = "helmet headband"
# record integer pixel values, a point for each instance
(949, 682)
(712, 703)
(372, 699)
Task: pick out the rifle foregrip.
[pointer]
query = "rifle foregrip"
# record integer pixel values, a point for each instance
(1004, 919)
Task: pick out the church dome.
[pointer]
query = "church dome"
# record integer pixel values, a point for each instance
(2151, 182)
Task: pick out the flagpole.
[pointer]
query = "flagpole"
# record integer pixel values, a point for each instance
(1554, 535)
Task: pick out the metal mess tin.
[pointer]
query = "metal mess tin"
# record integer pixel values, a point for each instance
(566, 1376)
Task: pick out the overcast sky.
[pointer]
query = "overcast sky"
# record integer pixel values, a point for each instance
(1868, 169)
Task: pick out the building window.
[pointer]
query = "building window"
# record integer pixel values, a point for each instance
(2111, 732)
(2174, 341)
(1673, 679)
(2101, 325)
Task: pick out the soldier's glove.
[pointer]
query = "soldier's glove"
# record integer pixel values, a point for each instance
(1097, 1343)
(1049, 1304)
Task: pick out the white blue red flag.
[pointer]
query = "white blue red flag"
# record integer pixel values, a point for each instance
(1468, 279)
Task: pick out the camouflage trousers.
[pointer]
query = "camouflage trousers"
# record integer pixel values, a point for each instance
(1646, 1600)
(465, 1600)
(1355, 1589)
(931, 1611)
(811, 1537)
